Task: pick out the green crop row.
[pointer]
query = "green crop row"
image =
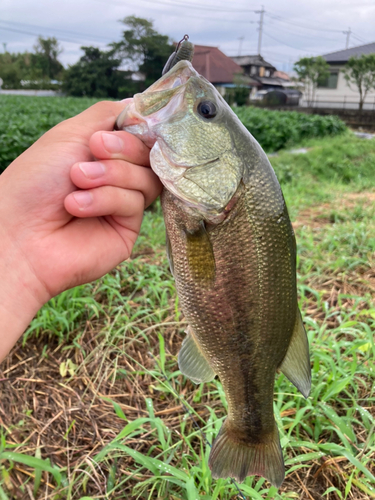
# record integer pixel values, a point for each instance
(25, 119)
(275, 130)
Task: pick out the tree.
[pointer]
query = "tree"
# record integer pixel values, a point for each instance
(311, 70)
(359, 72)
(12, 69)
(143, 48)
(45, 58)
(96, 74)
(32, 69)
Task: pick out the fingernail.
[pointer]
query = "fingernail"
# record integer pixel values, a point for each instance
(92, 170)
(83, 198)
(112, 143)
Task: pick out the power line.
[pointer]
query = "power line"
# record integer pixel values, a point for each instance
(173, 14)
(276, 58)
(37, 34)
(310, 36)
(360, 39)
(50, 29)
(278, 18)
(176, 3)
(291, 46)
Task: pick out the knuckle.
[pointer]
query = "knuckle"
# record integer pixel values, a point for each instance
(102, 106)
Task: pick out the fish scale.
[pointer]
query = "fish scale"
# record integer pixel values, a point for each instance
(232, 253)
(242, 328)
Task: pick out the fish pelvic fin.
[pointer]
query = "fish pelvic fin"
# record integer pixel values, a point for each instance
(296, 364)
(192, 362)
(230, 457)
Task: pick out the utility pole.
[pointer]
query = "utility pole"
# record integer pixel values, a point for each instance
(240, 47)
(261, 12)
(347, 33)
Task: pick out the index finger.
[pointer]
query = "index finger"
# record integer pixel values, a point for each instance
(100, 116)
(119, 145)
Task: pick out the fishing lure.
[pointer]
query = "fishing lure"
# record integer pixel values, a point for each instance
(184, 51)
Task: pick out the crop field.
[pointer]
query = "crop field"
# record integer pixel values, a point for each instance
(92, 404)
(25, 119)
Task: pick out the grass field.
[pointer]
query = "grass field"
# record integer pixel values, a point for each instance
(93, 405)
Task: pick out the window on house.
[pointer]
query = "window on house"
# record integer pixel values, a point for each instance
(253, 70)
(267, 72)
(330, 82)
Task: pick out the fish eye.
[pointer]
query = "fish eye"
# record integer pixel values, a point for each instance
(207, 109)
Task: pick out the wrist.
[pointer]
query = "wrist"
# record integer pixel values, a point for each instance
(21, 295)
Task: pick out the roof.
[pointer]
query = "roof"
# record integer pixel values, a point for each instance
(344, 55)
(266, 80)
(214, 65)
(282, 75)
(256, 60)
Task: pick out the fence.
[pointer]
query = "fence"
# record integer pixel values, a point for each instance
(346, 103)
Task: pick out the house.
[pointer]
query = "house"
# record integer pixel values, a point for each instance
(255, 66)
(264, 74)
(219, 69)
(335, 92)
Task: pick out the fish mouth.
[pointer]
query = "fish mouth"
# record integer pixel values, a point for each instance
(158, 102)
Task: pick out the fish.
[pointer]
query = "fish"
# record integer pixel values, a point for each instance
(232, 252)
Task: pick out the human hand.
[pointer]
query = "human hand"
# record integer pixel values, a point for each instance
(54, 236)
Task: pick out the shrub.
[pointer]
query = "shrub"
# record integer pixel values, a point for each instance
(278, 129)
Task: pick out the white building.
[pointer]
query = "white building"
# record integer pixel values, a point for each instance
(335, 91)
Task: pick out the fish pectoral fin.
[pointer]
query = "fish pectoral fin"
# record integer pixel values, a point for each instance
(296, 364)
(200, 256)
(192, 361)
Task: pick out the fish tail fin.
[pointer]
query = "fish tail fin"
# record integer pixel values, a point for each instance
(230, 457)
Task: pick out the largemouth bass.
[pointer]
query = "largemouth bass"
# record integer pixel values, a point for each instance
(232, 253)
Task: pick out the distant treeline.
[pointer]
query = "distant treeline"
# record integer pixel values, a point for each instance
(98, 73)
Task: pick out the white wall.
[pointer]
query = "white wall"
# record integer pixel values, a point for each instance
(342, 96)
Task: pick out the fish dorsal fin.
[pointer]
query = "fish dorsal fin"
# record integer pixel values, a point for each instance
(200, 256)
(192, 361)
(296, 364)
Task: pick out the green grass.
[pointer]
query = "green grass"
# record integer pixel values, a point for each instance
(99, 362)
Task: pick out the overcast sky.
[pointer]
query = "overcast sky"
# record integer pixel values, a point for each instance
(291, 29)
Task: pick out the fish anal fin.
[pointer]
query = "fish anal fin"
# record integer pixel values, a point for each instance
(296, 364)
(200, 256)
(192, 361)
(232, 458)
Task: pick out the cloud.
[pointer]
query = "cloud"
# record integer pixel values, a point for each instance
(291, 29)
